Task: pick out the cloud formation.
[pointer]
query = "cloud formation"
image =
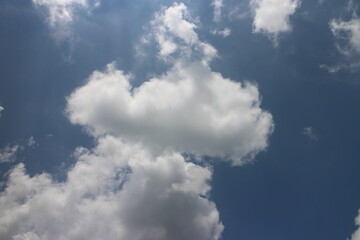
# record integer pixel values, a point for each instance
(347, 35)
(356, 234)
(115, 191)
(1, 109)
(60, 14)
(217, 4)
(8, 153)
(310, 133)
(136, 183)
(187, 109)
(272, 16)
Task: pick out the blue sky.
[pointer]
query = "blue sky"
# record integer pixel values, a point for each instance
(179, 120)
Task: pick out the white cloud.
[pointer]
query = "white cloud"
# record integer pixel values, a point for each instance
(8, 153)
(135, 184)
(116, 191)
(347, 40)
(61, 14)
(348, 31)
(310, 132)
(188, 109)
(356, 234)
(175, 35)
(31, 142)
(218, 4)
(272, 16)
(224, 33)
(347, 35)
(1, 109)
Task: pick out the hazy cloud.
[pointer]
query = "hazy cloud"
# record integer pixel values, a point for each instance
(1, 109)
(347, 35)
(31, 142)
(8, 153)
(311, 133)
(224, 33)
(217, 4)
(60, 14)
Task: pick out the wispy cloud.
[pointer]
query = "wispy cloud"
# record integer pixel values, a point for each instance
(31, 142)
(224, 33)
(347, 40)
(60, 15)
(218, 5)
(8, 153)
(310, 132)
(356, 234)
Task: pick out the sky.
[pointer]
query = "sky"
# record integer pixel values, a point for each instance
(169, 120)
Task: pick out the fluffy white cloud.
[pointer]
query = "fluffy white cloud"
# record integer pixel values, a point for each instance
(116, 191)
(356, 234)
(1, 109)
(272, 16)
(135, 184)
(8, 153)
(187, 109)
(60, 14)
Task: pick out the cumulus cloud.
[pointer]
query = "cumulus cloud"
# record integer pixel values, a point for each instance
(187, 109)
(60, 14)
(356, 234)
(136, 183)
(272, 16)
(8, 153)
(115, 191)
(1, 109)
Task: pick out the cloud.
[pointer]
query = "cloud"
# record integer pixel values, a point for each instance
(218, 4)
(224, 33)
(187, 109)
(60, 14)
(356, 234)
(311, 133)
(136, 183)
(1, 109)
(115, 191)
(350, 32)
(31, 142)
(347, 35)
(272, 16)
(8, 153)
